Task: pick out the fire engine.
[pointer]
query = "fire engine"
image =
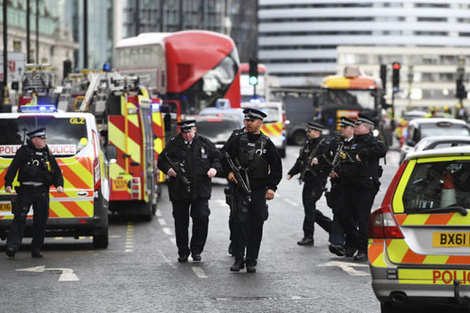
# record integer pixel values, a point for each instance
(132, 131)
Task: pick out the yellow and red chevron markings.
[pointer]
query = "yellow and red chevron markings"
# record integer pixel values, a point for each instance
(272, 129)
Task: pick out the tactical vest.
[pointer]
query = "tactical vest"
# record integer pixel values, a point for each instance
(37, 168)
(251, 158)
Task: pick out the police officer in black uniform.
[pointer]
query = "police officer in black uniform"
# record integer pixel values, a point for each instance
(360, 183)
(313, 172)
(191, 161)
(38, 170)
(232, 186)
(261, 168)
(339, 245)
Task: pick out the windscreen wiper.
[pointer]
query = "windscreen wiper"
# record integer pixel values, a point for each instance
(456, 208)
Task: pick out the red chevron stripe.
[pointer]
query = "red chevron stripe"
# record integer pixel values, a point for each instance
(75, 209)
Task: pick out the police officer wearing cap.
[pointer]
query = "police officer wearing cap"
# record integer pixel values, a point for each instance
(37, 171)
(359, 179)
(261, 168)
(190, 161)
(339, 244)
(313, 172)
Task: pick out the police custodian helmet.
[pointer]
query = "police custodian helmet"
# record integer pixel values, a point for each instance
(40, 132)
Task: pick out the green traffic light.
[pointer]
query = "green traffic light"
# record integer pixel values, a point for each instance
(253, 80)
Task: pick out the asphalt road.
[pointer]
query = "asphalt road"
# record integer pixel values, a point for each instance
(139, 271)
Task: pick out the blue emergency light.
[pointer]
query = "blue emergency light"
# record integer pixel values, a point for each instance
(43, 108)
(256, 100)
(155, 106)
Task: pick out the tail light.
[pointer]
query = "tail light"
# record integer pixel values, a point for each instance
(382, 222)
(135, 188)
(283, 121)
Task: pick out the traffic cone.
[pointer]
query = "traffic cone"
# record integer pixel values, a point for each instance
(448, 191)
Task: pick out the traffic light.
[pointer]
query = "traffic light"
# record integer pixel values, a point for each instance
(460, 92)
(253, 78)
(396, 76)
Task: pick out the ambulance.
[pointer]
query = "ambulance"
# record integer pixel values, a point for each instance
(74, 140)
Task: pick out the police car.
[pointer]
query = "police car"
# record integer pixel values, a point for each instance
(73, 138)
(419, 239)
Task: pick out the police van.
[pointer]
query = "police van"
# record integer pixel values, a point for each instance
(74, 140)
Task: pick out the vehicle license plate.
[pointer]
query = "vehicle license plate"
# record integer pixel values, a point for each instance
(5, 206)
(119, 184)
(448, 239)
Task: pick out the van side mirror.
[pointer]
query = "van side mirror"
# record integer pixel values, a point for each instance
(111, 153)
(411, 143)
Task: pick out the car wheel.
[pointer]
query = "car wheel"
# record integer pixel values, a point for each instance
(146, 211)
(282, 152)
(299, 137)
(101, 241)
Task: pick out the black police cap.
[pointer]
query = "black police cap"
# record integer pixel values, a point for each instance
(186, 126)
(253, 114)
(40, 132)
(361, 118)
(346, 121)
(315, 126)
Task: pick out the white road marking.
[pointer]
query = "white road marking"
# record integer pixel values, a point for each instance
(162, 221)
(158, 213)
(66, 275)
(167, 230)
(348, 267)
(199, 272)
(290, 202)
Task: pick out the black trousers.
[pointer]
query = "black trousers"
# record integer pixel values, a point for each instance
(247, 226)
(199, 212)
(311, 192)
(38, 197)
(356, 203)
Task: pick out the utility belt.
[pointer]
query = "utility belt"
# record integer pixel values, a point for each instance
(31, 188)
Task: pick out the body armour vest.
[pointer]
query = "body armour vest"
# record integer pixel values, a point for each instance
(252, 150)
(37, 168)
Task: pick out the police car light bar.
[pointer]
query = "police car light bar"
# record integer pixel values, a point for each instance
(45, 108)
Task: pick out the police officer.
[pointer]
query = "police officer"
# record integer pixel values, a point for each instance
(232, 186)
(38, 170)
(191, 161)
(339, 245)
(314, 175)
(261, 168)
(360, 183)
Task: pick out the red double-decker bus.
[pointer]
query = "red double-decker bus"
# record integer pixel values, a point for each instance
(190, 69)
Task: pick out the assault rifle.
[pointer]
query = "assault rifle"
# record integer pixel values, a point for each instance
(337, 156)
(308, 166)
(180, 173)
(236, 171)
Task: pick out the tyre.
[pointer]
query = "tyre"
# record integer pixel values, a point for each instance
(146, 211)
(299, 137)
(101, 241)
(282, 152)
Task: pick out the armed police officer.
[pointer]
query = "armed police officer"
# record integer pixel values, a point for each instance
(313, 172)
(339, 245)
(191, 161)
(359, 179)
(257, 164)
(37, 171)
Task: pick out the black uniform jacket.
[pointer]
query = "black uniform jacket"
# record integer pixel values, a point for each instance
(367, 172)
(317, 147)
(196, 158)
(34, 165)
(270, 154)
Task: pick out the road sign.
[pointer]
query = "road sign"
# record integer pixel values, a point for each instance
(16, 66)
